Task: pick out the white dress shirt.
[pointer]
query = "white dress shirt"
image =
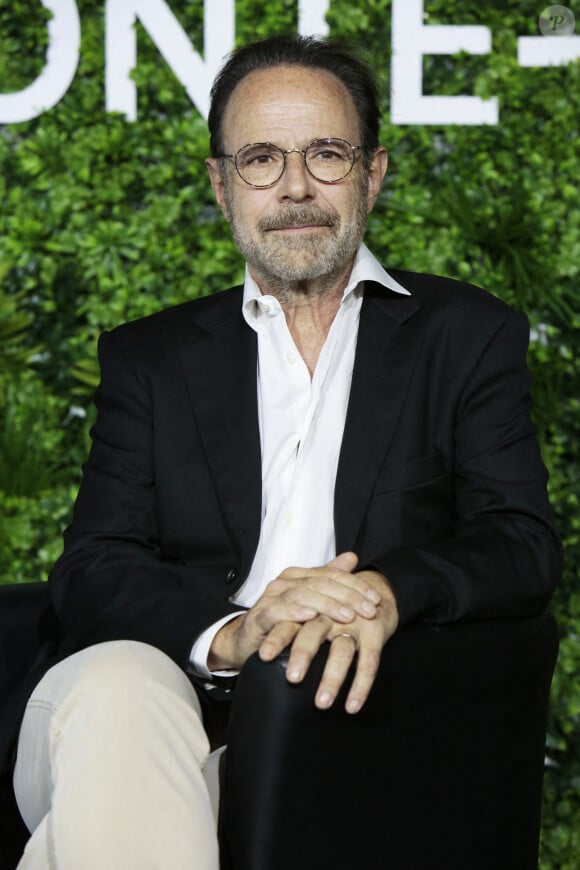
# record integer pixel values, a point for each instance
(301, 426)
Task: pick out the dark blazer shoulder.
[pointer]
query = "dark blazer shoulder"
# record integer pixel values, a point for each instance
(452, 318)
(449, 295)
(460, 316)
(182, 322)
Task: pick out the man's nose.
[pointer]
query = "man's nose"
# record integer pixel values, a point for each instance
(296, 182)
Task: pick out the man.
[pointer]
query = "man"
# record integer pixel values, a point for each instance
(327, 414)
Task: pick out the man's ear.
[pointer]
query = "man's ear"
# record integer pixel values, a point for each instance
(377, 171)
(217, 183)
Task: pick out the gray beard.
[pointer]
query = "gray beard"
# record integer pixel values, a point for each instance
(305, 265)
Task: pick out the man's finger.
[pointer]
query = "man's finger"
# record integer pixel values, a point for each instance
(338, 588)
(282, 610)
(340, 656)
(330, 576)
(344, 561)
(365, 675)
(281, 636)
(306, 644)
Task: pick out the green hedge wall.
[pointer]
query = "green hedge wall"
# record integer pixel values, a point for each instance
(103, 220)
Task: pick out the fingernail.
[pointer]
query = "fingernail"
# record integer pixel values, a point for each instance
(353, 706)
(373, 596)
(368, 609)
(324, 699)
(346, 613)
(293, 673)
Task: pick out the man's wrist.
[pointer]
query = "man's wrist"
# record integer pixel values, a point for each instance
(221, 655)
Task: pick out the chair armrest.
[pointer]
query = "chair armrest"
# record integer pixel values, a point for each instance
(22, 606)
(442, 767)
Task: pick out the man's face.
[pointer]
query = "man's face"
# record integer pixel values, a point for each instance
(299, 229)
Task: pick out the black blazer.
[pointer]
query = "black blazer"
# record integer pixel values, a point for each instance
(440, 484)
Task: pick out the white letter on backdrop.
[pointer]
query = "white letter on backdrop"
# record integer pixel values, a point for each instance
(312, 17)
(195, 74)
(548, 51)
(411, 40)
(62, 59)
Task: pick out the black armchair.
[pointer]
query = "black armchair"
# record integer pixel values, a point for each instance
(441, 770)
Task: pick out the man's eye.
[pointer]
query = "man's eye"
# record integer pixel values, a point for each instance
(328, 156)
(258, 160)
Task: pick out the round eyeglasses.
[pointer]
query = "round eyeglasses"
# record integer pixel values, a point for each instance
(262, 164)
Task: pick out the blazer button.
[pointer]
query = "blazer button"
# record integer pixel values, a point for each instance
(232, 576)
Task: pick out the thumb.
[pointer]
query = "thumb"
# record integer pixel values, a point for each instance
(344, 561)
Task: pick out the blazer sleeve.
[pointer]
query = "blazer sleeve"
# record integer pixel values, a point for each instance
(500, 556)
(114, 580)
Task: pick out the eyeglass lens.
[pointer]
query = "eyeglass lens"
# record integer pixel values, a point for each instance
(327, 160)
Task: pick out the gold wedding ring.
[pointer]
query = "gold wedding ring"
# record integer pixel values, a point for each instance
(346, 634)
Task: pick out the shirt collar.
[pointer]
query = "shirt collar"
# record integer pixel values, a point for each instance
(366, 267)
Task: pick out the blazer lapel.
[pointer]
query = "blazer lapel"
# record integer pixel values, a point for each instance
(385, 357)
(220, 369)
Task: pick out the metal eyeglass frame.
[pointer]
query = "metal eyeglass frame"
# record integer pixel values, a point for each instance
(303, 151)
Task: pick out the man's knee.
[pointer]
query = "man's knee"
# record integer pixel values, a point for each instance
(113, 703)
(112, 690)
(117, 671)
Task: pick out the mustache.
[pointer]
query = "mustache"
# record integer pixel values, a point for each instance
(299, 216)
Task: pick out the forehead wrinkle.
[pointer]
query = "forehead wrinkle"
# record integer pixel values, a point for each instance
(274, 119)
(289, 106)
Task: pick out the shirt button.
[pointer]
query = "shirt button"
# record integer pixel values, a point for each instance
(291, 357)
(232, 576)
(268, 307)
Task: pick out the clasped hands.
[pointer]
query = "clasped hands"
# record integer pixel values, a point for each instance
(305, 607)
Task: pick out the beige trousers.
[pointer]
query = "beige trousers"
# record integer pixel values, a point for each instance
(113, 769)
